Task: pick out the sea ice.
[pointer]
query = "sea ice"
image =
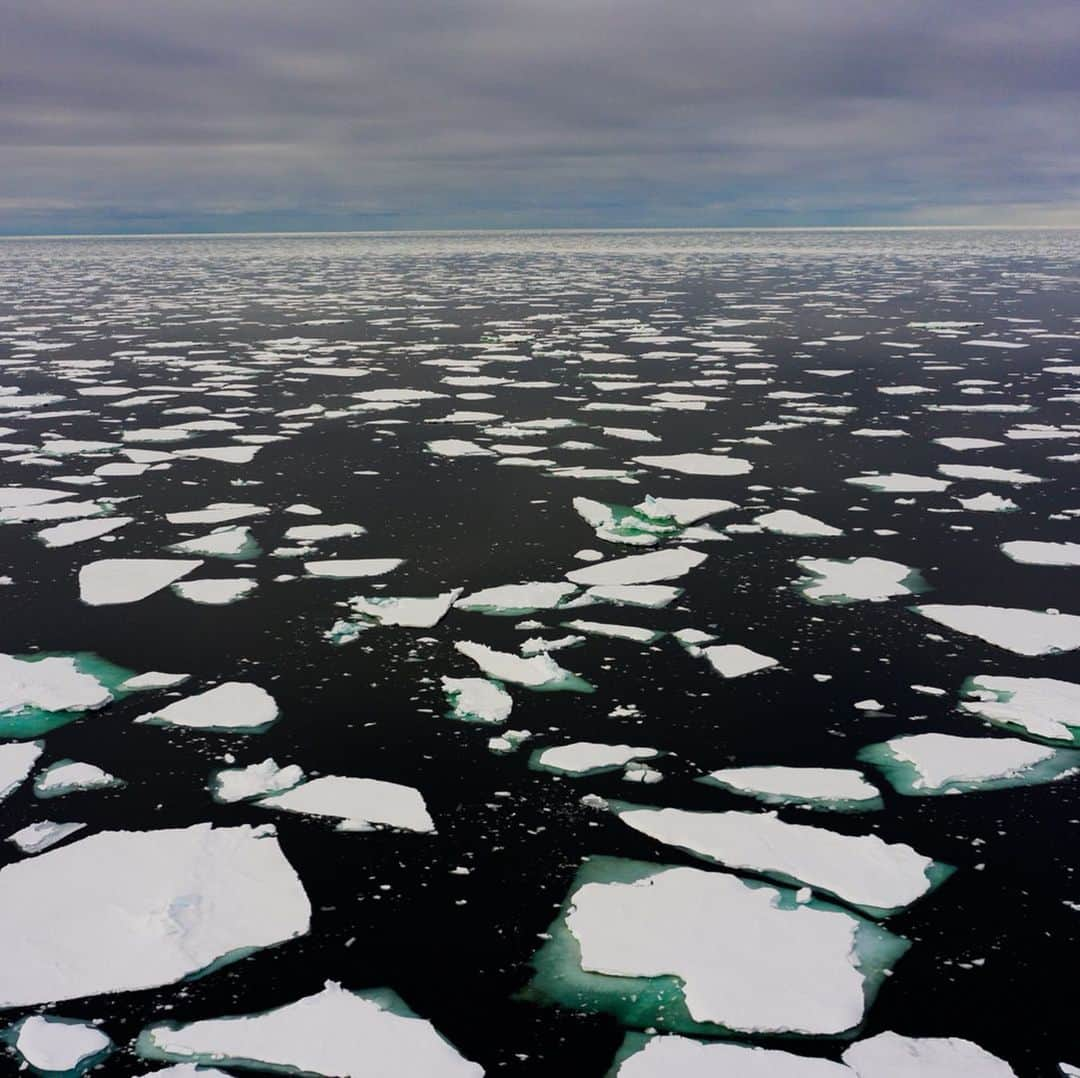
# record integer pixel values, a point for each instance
(874, 875)
(648, 568)
(334, 1032)
(1040, 707)
(819, 787)
(515, 599)
(39, 836)
(358, 804)
(697, 464)
(538, 672)
(733, 660)
(233, 705)
(1028, 552)
(198, 895)
(888, 1055)
(71, 776)
(127, 580)
(475, 699)
(856, 579)
(16, 763)
(345, 569)
(788, 522)
(588, 758)
(58, 1045)
(1025, 632)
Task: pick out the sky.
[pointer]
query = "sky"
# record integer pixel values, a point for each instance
(254, 115)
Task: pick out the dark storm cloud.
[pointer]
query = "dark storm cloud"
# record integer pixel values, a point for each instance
(254, 113)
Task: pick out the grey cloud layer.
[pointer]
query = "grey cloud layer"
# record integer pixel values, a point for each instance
(191, 113)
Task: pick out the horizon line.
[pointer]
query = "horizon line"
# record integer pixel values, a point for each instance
(536, 230)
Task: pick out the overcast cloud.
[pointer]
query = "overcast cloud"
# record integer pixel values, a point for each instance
(148, 115)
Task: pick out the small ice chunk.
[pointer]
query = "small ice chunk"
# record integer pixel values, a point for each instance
(358, 804)
(234, 705)
(153, 679)
(334, 1032)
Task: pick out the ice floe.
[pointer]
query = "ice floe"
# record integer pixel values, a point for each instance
(39, 836)
(234, 705)
(127, 580)
(537, 672)
(71, 776)
(857, 579)
(199, 895)
(358, 804)
(648, 568)
(834, 788)
(734, 660)
(475, 699)
(255, 780)
(59, 1045)
(588, 758)
(16, 763)
(335, 1032)
(1044, 708)
(1025, 632)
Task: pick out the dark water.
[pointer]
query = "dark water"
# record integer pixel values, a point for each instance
(457, 947)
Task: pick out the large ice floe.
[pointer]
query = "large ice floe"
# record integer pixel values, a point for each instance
(128, 580)
(39, 693)
(788, 522)
(923, 764)
(888, 1055)
(648, 568)
(1026, 632)
(335, 1032)
(71, 776)
(697, 464)
(476, 699)
(588, 758)
(830, 788)
(199, 896)
(514, 599)
(1030, 552)
(357, 804)
(651, 520)
(538, 672)
(234, 705)
(1038, 707)
(876, 876)
(16, 763)
(692, 950)
(59, 1045)
(857, 579)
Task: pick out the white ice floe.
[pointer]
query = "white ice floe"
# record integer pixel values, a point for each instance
(346, 569)
(54, 683)
(682, 1057)
(821, 787)
(921, 764)
(861, 869)
(697, 464)
(217, 513)
(226, 454)
(334, 1032)
(1026, 632)
(216, 592)
(651, 596)
(255, 780)
(963, 445)
(988, 475)
(458, 447)
(36, 837)
(317, 533)
(234, 542)
(788, 522)
(17, 497)
(80, 531)
(900, 483)
(475, 699)
(358, 804)
(517, 598)
(58, 1045)
(1029, 552)
(988, 503)
(127, 580)
(683, 511)
(1043, 707)
(71, 776)
(153, 679)
(648, 568)
(406, 612)
(589, 757)
(537, 672)
(855, 579)
(733, 660)
(889, 1055)
(234, 705)
(198, 895)
(706, 928)
(617, 632)
(16, 763)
